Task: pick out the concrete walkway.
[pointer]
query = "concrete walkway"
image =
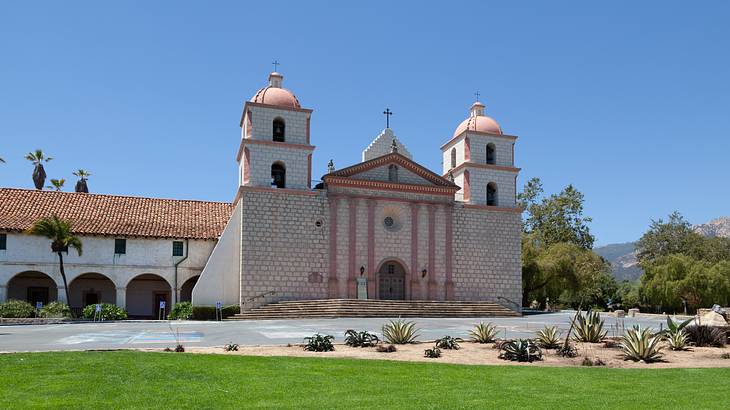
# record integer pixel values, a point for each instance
(142, 334)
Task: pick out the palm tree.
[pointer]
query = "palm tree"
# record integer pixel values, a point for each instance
(81, 183)
(2, 160)
(59, 232)
(57, 184)
(39, 174)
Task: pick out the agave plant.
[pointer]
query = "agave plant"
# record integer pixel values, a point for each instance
(360, 339)
(548, 337)
(521, 350)
(641, 345)
(589, 328)
(400, 332)
(676, 335)
(448, 342)
(483, 333)
(319, 343)
(37, 157)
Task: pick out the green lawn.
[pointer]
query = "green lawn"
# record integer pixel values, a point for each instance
(175, 380)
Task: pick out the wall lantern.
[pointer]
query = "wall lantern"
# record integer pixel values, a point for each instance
(362, 270)
(423, 273)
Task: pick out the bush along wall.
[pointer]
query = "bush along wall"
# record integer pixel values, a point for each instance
(55, 310)
(16, 309)
(208, 312)
(181, 311)
(108, 312)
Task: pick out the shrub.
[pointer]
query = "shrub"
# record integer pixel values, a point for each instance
(589, 328)
(208, 312)
(483, 333)
(400, 332)
(231, 347)
(596, 362)
(432, 353)
(521, 350)
(586, 362)
(181, 311)
(568, 350)
(108, 312)
(386, 348)
(676, 335)
(360, 339)
(548, 338)
(16, 309)
(319, 343)
(704, 335)
(448, 342)
(610, 344)
(725, 356)
(640, 345)
(55, 310)
(179, 348)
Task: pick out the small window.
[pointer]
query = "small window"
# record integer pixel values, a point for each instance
(3, 241)
(177, 248)
(120, 246)
(391, 269)
(491, 154)
(492, 194)
(278, 175)
(392, 173)
(453, 157)
(279, 130)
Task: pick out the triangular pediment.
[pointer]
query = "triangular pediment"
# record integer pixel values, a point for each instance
(378, 169)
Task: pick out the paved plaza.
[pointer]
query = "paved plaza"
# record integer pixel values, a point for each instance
(145, 334)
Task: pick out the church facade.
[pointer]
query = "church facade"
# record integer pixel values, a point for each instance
(385, 228)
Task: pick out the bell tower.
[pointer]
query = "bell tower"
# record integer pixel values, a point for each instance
(275, 151)
(480, 159)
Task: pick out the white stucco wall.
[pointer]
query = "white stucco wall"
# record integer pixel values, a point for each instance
(220, 279)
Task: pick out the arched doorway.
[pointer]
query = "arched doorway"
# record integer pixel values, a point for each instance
(90, 289)
(33, 287)
(144, 294)
(186, 291)
(392, 281)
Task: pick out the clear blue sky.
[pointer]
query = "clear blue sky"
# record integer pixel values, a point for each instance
(628, 101)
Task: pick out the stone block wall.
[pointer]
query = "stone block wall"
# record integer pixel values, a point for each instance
(282, 248)
(262, 119)
(487, 254)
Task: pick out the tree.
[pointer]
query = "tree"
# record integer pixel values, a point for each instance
(557, 218)
(39, 174)
(59, 232)
(57, 184)
(666, 238)
(2, 160)
(671, 281)
(81, 185)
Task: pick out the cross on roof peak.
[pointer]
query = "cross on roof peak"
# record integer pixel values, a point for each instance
(276, 65)
(387, 113)
(476, 94)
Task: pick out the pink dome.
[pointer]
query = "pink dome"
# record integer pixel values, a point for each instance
(480, 123)
(276, 96)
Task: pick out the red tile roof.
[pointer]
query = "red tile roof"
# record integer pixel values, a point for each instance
(96, 214)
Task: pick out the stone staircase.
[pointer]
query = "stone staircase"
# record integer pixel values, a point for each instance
(334, 308)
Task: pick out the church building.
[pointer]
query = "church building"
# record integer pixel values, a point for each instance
(385, 228)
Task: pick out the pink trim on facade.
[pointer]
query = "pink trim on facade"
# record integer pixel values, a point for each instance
(309, 171)
(390, 199)
(332, 284)
(464, 165)
(277, 107)
(414, 285)
(432, 287)
(246, 166)
(352, 251)
(393, 158)
(467, 149)
(248, 141)
(286, 191)
(390, 186)
(249, 124)
(467, 186)
(371, 251)
(449, 254)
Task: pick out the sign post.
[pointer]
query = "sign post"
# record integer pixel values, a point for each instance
(161, 312)
(219, 311)
(97, 312)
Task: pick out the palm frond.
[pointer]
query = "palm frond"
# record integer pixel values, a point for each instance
(58, 230)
